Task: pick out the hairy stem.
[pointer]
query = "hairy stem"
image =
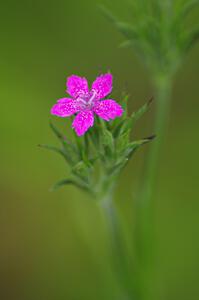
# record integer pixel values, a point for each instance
(117, 249)
(163, 91)
(145, 205)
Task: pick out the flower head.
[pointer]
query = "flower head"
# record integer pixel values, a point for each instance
(84, 103)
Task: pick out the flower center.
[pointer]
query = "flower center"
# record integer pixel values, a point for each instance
(87, 101)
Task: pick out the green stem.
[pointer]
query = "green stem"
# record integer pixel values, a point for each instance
(163, 92)
(145, 206)
(117, 251)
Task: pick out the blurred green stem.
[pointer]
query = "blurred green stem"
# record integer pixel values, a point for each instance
(117, 250)
(146, 209)
(162, 85)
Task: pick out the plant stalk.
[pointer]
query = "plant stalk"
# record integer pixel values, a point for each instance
(117, 250)
(145, 230)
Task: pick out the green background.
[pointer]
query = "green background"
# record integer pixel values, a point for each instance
(53, 245)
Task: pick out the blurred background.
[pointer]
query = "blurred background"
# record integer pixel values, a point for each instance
(53, 245)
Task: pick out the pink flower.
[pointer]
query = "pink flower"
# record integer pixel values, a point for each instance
(85, 103)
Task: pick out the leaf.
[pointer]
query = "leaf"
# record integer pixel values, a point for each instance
(192, 38)
(69, 149)
(70, 153)
(81, 169)
(122, 142)
(126, 29)
(86, 143)
(74, 182)
(126, 124)
(116, 124)
(178, 23)
(136, 144)
(93, 134)
(93, 160)
(116, 169)
(187, 8)
(130, 149)
(107, 13)
(54, 149)
(125, 106)
(107, 139)
(57, 132)
(118, 129)
(139, 113)
(126, 44)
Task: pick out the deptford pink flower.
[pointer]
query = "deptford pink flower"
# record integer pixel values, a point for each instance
(84, 103)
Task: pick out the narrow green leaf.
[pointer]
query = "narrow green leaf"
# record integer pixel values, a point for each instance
(71, 153)
(126, 44)
(81, 169)
(136, 144)
(187, 8)
(182, 12)
(126, 124)
(130, 149)
(118, 129)
(86, 144)
(54, 149)
(74, 182)
(116, 169)
(124, 104)
(127, 30)
(93, 160)
(117, 123)
(107, 139)
(61, 183)
(122, 142)
(139, 113)
(107, 13)
(57, 132)
(192, 38)
(69, 149)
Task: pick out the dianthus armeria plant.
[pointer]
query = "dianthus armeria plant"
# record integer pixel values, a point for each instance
(100, 149)
(102, 144)
(160, 34)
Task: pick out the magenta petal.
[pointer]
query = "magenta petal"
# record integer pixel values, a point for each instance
(108, 109)
(83, 121)
(102, 86)
(77, 86)
(64, 107)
